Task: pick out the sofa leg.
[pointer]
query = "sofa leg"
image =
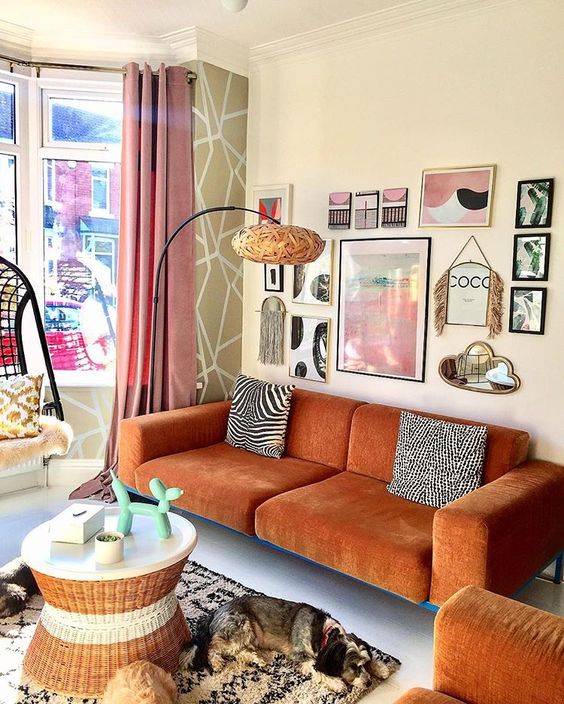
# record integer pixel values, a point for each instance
(558, 565)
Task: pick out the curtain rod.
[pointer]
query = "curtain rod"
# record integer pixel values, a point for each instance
(38, 65)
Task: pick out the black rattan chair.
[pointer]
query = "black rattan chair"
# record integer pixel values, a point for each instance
(16, 292)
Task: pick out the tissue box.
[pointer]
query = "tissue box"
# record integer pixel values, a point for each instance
(77, 524)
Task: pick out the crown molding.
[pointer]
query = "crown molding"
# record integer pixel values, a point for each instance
(15, 38)
(116, 49)
(408, 15)
(195, 43)
(112, 48)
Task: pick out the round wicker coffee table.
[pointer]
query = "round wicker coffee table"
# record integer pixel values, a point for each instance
(98, 618)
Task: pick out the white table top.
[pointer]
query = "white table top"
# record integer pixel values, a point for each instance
(144, 551)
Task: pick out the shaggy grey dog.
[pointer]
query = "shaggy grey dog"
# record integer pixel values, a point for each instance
(17, 585)
(250, 628)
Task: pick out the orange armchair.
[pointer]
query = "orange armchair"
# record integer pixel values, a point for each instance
(492, 650)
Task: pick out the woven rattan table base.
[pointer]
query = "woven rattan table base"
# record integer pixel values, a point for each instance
(84, 669)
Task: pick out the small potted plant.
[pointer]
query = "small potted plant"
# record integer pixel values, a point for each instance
(108, 547)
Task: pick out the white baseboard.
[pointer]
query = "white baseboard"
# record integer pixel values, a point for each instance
(22, 480)
(65, 472)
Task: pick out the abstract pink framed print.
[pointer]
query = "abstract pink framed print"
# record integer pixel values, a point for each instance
(394, 207)
(459, 197)
(339, 217)
(383, 292)
(274, 202)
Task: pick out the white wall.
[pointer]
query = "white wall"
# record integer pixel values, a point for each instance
(484, 88)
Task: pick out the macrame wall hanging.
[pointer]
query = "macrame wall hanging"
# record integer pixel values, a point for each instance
(271, 346)
(469, 293)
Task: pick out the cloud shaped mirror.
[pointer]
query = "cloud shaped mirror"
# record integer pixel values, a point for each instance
(478, 369)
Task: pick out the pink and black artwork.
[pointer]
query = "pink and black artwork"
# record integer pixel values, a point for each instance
(339, 210)
(366, 209)
(394, 207)
(269, 208)
(459, 197)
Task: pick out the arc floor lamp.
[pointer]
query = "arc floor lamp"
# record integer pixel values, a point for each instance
(267, 243)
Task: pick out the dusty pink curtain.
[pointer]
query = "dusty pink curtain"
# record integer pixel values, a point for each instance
(157, 194)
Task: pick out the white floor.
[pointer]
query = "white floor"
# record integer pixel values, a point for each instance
(396, 626)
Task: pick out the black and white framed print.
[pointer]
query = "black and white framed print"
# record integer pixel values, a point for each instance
(274, 277)
(309, 342)
(534, 203)
(531, 257)
(527, 310)
(313, 282)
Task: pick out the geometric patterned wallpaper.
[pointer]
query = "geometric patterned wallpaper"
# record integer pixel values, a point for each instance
(220, 139)
(88, 410)
(220, 158)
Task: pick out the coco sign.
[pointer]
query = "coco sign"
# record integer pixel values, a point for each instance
(468, 294)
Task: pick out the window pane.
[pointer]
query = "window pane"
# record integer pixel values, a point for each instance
(82, 121)
(7, 112)
(8, 206)
(81, 249)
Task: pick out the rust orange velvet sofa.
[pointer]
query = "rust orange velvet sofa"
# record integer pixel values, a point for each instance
(326, 498)
(492, 650)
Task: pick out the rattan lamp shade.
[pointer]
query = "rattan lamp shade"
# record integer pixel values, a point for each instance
(278, 244)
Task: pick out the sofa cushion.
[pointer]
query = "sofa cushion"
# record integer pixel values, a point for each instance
(258, 416)
(351, 523)
(20, 401)
(319, 427)
(374, 436)
(437, 461)
(226, 484)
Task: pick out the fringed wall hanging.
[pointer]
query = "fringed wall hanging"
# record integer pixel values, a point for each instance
(469, 293)
(271, 346)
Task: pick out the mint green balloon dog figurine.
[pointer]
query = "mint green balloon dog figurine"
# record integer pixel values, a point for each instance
(157, 513)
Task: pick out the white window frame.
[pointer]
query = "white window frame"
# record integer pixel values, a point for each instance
(30, 150)
(16, 91)
(101, 212)
(97, 92)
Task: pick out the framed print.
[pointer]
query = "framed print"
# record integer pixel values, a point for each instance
(339, 216)
(394, 207)
(274, 201)
(527, 310)
(531, 257)
(458, 197)
(313, 282)
(366, 209)
(309, 342)
(534, 203)
(274, 277)
(383, 304)
(468, 298)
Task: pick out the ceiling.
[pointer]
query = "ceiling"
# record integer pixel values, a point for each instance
(261, 22)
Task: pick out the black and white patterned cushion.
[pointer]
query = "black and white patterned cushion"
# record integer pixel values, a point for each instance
(437, 461)
(259, 416)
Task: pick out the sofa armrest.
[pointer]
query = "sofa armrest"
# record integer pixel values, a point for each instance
(158, 434)
(499, 535)
(492, 649)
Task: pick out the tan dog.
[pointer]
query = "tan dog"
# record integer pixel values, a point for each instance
(141, 682)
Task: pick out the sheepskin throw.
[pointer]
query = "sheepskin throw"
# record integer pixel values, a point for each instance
(54, 438)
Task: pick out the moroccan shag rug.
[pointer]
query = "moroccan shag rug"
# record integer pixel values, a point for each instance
(200, 590)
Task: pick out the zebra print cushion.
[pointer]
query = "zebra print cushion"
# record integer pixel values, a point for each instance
(259, 416)
(437, 461)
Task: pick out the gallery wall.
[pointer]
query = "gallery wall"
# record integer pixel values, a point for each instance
(484, 87)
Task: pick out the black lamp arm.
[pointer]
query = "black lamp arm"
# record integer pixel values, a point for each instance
(162, 257)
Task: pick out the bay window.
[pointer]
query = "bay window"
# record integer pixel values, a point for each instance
(59, 151)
